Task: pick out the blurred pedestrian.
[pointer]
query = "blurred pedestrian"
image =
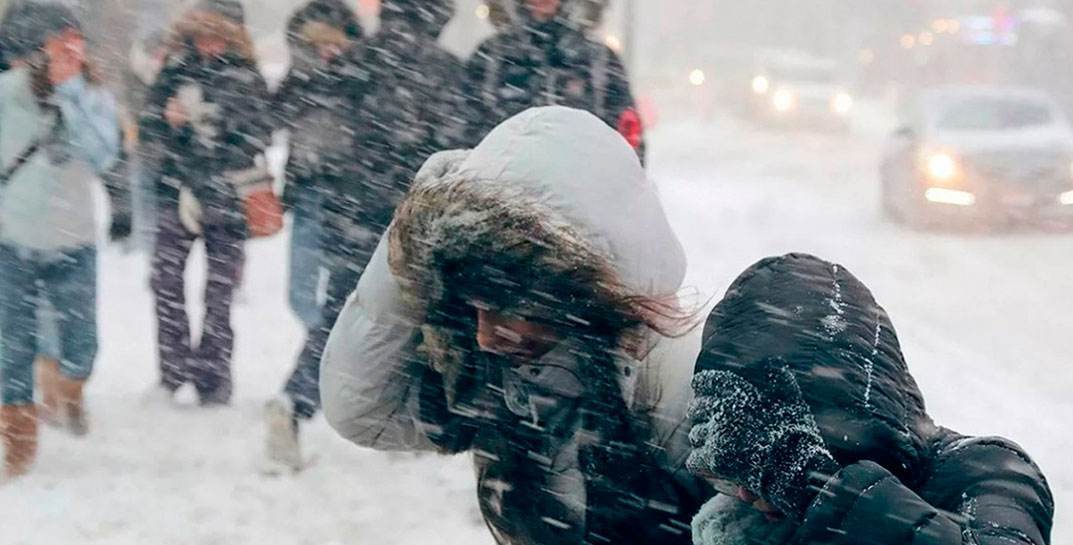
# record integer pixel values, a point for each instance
(207, 111)
(60, 131)
(318, 105)
(408, 110)
(542, 55)
(807, 418)
(513, 312)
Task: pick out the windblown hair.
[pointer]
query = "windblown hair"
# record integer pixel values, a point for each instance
(457, 244)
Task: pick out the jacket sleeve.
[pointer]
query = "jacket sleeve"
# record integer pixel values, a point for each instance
(152, 127)
(986, 492)
(371, 371)
(253, 132)
(92, 124)
(620, 105)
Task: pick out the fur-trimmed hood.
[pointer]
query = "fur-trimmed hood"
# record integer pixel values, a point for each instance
(199, 21)
(554, 176)
(557, 191)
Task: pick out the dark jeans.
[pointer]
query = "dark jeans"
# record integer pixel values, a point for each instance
(346, 256)
(208, 364)
(68, 282)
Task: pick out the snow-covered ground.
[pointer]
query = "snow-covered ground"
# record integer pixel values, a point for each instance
(985, 321)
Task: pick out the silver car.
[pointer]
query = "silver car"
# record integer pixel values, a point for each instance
(983, 154)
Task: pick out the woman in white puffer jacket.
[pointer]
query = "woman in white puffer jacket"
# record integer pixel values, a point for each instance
(523, 307)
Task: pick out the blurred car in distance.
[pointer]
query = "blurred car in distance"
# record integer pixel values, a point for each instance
(990, 155)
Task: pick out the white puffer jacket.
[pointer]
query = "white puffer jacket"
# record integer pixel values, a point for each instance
(587, 173)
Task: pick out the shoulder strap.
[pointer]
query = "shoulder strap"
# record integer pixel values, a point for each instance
(24, 156)
(20, 161)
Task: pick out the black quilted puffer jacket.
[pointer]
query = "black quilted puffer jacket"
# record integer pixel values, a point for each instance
(903, 479)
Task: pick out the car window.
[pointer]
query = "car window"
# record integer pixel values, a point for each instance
(983, 114)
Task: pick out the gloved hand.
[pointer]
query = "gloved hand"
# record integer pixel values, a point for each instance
(121, 227)
(759, 433)
(189, 211)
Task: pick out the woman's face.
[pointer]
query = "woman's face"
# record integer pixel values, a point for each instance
(543, 10)
(210, 45)
(67, 48)
(513, 336)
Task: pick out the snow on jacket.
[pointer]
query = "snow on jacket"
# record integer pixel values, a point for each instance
(317, 101)
(532, 64)
(585, 181)
(903, 479)
(48, 203)
(226, 99)
(408, 111)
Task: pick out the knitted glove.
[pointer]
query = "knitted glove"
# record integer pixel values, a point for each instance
(760, 434)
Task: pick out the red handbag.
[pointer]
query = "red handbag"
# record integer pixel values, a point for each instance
(264, 211)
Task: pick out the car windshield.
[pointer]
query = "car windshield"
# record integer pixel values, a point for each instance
(993, 113)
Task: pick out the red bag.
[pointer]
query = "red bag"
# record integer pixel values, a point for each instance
(264, 211)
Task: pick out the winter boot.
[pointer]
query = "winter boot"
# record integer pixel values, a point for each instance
(48, 373)
(71, 405)
(18, 431)
(282, 449)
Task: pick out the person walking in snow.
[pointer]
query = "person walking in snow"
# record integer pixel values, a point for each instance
(407, 90)
(319, 104)
(513, 312)
(408, 110)
(207, 111)
(545, 57)
(807, 419)
(316, 104)
(58, 132)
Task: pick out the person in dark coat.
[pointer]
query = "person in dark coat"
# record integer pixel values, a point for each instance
(206, 110)
(806, 410)
(544, 57)
(408, 104)
(318, 103)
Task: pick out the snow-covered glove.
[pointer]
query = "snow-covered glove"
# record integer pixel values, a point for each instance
(189, 211)
(757, 432)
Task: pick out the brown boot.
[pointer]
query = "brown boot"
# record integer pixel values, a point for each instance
(18, 430)
(72, 409)
(48, 374)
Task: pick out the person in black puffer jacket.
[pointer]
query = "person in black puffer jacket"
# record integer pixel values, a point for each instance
(542, 56)
(318, 103)
(207, 112)
(407, 88)
(806, 410)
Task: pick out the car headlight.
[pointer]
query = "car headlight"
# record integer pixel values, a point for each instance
(761, 85)
(841, 103)
(784, 100)
(942, 167)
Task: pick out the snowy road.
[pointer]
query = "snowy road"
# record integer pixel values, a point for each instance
(985, 321)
